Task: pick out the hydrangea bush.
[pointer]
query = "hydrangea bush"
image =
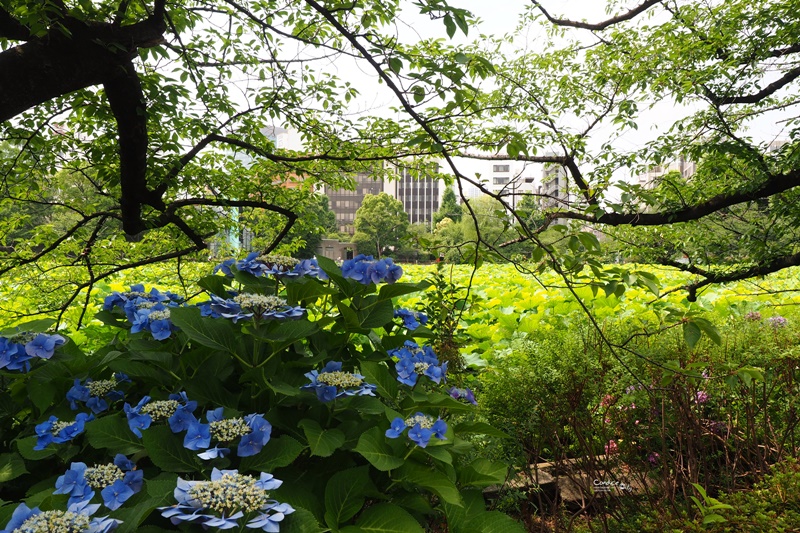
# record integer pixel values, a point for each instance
(292, 397)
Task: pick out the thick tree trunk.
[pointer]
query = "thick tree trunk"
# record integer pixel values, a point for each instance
(75, 56)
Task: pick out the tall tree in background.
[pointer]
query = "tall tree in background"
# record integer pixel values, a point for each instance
(449, 208)
(381, 224)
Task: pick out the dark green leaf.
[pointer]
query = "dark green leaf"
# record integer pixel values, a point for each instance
(112, 433)
(372, 445)
(167, 452)
(345, 494)
(322, 442)
(384, 518)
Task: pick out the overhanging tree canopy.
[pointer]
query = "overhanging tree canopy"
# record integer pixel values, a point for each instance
(150, 106)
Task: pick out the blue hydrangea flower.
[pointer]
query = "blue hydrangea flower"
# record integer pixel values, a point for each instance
(77, 518)
(137, 298)
(225, 500)
(13, 356)
(146, 311)
(411, 319)
(365, 269)
(55, 430)
(116, 481)
(413, 361)
(463, 394)
(259, 264)
(422, 428)
(225, 267)
(177, 411)
(331, 383)
(253, 432)
(17, 351)
(43, 346)
(96, 394)
(247, 305)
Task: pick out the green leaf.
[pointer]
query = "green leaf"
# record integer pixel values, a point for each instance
(395, 64)
(713, 518)
(387, 291)
(459, 519)
(322, 442)
(376, 315)
(384, 518)
(35, 326)
(148, 372)
(431, 479)
(215, 285)
(709, 329)
(277, 453)
(450, 25)
(308, 291)
(372, 445)
(167, 452)
(41, 394)
(218, 334)
(345, 494)
(691, 334)
(300, 521)
(378, 374)
(112, 433)
(483, 473)
(287, 330)
(11, 467)
(25, 449)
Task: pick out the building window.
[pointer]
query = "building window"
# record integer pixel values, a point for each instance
(529, 180)
(500, 168)
(500, 181)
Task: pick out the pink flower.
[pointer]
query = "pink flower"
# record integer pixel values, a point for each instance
(701, 397)
(611, 447)
(653, 458)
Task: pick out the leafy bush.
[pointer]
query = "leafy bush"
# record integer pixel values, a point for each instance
(292, 393)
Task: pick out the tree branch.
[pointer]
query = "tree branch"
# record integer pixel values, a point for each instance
(11, 28)
(628, 15)
(754, 98)
(774, 185)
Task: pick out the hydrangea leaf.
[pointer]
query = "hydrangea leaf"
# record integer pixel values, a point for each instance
(345, 494)
(300, 521)
(167, 452)
(378, 374)
(322, 442)
(433, 480)
(112, 433)
(372, 445)
(483, 473)
(384, 518)
(217, 334)
(11, 467)
(389, 291)
(277, 453)
(377, 315)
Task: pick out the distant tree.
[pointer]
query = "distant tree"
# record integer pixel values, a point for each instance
(489, 222)
(306, 234)
(448, 239)
(380, 223)
(449, 208)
